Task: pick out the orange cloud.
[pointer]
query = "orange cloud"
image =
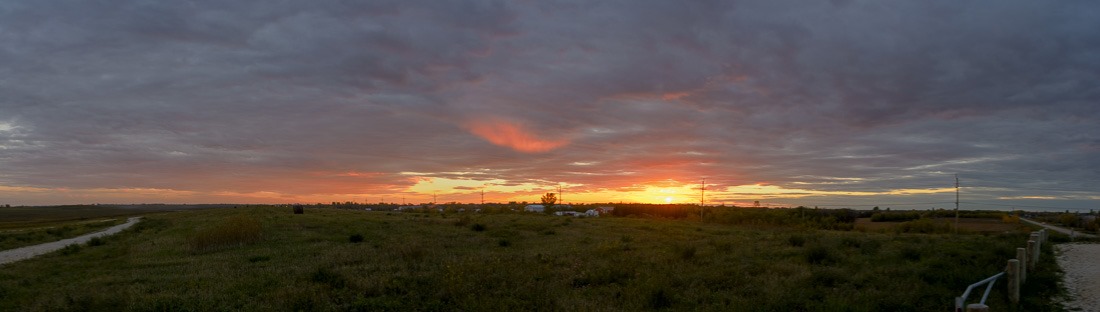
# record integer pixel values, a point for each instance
(512, 135)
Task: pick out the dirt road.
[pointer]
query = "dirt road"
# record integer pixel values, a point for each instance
(1082, 277)
(28, 252)
(1059, 229)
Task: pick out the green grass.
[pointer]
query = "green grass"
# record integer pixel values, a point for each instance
(511, 262)
(45, 232)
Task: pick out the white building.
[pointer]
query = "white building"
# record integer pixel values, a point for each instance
(535, 208)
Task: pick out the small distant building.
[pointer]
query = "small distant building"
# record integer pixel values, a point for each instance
(605, 209)
(592, 213)
(566, 213)
(534, 208)
(404, 208)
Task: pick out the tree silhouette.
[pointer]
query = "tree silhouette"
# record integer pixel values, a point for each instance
(549, 199)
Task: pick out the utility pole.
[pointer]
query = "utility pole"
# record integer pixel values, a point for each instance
(956, 203)
(483, 197)
(702, 198)
(561, 196)
(433, 197)
(703, 193)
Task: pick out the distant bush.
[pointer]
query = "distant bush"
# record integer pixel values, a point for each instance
(895, 216)
(924, 226)
(298, 209)
(234, 231)
(504, 242)
(477, 227)
(356, 238)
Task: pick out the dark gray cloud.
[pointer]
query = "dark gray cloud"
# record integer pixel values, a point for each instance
(330, 97)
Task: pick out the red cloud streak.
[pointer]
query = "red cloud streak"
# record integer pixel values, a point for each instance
(512, 135)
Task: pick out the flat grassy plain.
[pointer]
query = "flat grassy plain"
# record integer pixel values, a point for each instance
(509, 262)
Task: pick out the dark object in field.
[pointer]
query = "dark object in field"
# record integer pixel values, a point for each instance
(355, 238)
(298, 209)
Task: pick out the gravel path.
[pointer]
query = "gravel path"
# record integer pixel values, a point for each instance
(1058, 229)
(28, 252)
(1082, 277)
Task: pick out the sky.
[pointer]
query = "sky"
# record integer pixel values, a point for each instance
(816, 103)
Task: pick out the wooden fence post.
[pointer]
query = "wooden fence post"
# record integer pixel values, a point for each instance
(1013, 272)
(1021, 254)
(1031, 254)
(1038, 244)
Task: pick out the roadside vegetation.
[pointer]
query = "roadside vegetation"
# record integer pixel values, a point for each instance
(269, 259)
(47, 232)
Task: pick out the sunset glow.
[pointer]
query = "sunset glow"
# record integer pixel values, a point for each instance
(415, 102)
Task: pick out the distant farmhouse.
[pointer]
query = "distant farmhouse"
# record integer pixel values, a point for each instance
(534, 208)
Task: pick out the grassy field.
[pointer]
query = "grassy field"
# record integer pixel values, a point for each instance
(48, 232)
(264, 258)
(22, 217)
(966, 225)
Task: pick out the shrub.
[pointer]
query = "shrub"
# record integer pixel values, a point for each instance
(910, 253)
(504, 242)
(820, 255)
(796, 240)
(463, 221)
(70, 249)
(477, 227)
(298, 209)
(356, 238)
(329, 277)
(96, 241)
(686, 252)
(234, 231)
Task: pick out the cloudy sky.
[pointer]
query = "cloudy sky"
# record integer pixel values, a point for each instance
(829, 103)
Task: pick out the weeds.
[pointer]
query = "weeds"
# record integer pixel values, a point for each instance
(96, 241)
(232, 232)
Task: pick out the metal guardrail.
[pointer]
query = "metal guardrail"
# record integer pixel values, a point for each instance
(960, 302)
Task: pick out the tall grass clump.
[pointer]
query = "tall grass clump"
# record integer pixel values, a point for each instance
(231, 232)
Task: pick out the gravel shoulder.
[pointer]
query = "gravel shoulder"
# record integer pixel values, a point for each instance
(1082, 278)
(22, 253)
